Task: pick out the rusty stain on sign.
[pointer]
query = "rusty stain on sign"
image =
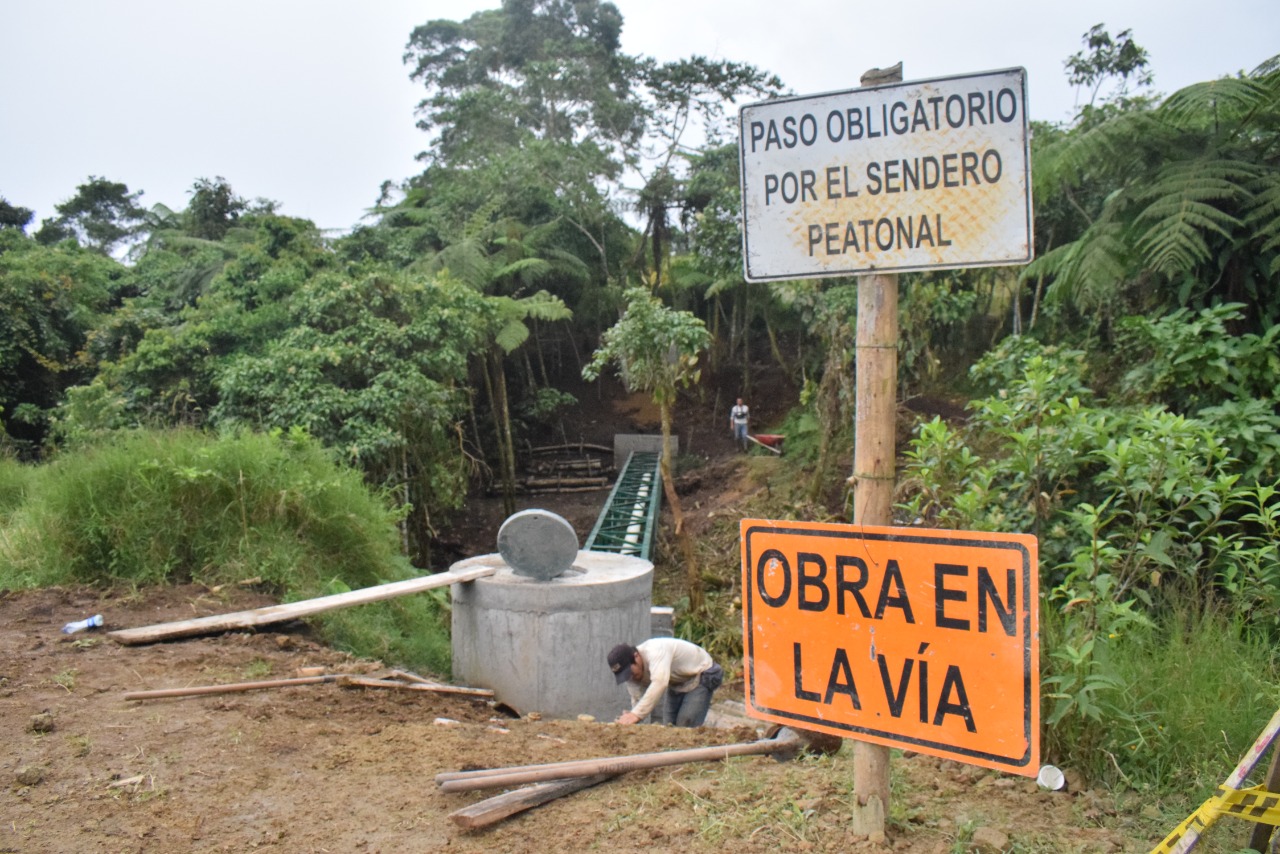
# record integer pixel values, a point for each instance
(921, 175)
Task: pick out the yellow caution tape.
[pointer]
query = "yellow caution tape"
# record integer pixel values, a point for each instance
(1255, 804)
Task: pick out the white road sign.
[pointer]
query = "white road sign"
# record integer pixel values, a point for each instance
(929, 174)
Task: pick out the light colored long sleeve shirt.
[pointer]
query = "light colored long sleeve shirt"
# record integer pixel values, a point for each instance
(669, 663)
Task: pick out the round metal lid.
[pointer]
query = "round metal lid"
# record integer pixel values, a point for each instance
(538, 544)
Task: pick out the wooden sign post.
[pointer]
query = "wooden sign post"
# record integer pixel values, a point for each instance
(874, 462)
(885, 178)
(874, 459)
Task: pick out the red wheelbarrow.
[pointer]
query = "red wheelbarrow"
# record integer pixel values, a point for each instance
(769, 441)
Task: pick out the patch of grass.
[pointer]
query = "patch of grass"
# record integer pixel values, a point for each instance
(410, 630)
(67, 680)
(1147, 735)
(150, 793)
(256, 670)
(80, 745)
(15, 479)
(159, 507)
(748, 805)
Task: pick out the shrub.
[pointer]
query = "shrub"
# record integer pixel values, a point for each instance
(1151, 543)
(181, 506)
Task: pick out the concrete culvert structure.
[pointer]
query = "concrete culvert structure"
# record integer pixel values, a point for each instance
(539, 638)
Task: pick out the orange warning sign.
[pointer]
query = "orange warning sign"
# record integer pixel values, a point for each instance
(922, 639)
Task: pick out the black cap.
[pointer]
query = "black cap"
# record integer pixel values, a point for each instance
(621, 658)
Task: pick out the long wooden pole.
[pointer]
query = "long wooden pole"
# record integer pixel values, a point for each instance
(489, 778)
(293, 610)
(231, 688)
(874, 464)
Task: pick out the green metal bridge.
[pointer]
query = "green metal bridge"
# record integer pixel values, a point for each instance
(630, 516)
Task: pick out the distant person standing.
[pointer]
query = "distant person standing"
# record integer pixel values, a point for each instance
(738, 423)
(680, 675)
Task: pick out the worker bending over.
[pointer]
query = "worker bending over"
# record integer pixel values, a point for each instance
(683, 672)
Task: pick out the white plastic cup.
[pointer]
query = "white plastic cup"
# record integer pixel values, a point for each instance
(1051, 778)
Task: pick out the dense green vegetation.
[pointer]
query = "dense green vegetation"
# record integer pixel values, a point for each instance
(242, 396)
(171, 506)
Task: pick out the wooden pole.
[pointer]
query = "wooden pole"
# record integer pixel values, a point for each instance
(874, 464)
(231, 688)
(1262, 832)
(491, 778)
(433, 687)
(293, 610)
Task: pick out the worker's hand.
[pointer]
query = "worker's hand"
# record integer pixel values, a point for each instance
(627, 718)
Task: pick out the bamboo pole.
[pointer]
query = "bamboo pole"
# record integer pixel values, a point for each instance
(874, 464)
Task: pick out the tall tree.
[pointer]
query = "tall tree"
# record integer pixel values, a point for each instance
(534, 104)
(213, 210)
(12, 216)
(506, 261)
(683, 99)
(51, 300)
(101, 215)
(531, 109)
(532, 69)
(1108, 59)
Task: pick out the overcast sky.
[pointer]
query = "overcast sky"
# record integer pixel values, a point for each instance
(307, 102)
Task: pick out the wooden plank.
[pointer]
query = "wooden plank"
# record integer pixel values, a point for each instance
(437, 687)
(495, 809)
(293, 610)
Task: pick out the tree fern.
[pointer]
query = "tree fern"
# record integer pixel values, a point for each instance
(1226, 103)
(1177, 203)
(1187, 202)
(1263, 217)
(1114, 148)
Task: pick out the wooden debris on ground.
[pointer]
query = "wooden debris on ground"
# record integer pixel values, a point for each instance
(495, 809)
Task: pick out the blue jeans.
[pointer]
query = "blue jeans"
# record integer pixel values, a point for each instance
(689, 709)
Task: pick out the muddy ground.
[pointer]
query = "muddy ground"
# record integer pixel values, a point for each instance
(328, 768)
(322, 767)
